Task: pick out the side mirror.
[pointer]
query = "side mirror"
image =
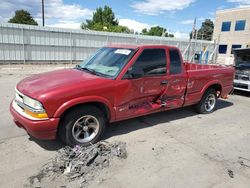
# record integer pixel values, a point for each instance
(135, 72)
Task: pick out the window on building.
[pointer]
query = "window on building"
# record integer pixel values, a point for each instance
(240, 25)
(152, 61)
(235, 46)
(222, 49)
(175, 62)
(226, 26)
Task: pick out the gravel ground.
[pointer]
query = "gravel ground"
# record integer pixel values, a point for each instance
(178, 148)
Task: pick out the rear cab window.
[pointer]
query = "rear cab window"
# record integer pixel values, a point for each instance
(175, 62)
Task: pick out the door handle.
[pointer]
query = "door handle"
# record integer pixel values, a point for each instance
(164, 82)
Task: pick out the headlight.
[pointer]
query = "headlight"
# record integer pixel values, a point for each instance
(32, 103)
(30, 106)
(37, 110)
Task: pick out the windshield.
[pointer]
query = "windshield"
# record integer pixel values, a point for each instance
(107, 62)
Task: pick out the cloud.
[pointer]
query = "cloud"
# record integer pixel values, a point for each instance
(181, 35)
(191, 21)
(201, 19)
(240, 2)
(3, 19)
(56, 9)
(8, 8)
(187, 22)
(133, 24)
(221, 7)
(211, 13)
(67, 24)
(57, 13)
(156, 7)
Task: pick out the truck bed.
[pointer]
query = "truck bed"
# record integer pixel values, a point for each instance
(199, 76)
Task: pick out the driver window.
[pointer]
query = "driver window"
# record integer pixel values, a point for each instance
(152, 61)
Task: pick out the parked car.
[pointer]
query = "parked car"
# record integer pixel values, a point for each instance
(242, 69)
(118, 82)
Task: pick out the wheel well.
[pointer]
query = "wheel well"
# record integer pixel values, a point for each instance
(99, 105)
(216, 87)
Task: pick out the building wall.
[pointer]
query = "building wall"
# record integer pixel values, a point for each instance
(24, 43)
(231, 37)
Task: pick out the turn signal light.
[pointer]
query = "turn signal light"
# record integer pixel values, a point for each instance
(36, 115)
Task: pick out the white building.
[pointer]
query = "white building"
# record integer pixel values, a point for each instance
(231, 30)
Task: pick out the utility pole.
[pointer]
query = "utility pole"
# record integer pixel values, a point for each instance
(43, 11)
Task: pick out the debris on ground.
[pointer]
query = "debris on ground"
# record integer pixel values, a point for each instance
(244, 162)
(230, 173)
(78, 164)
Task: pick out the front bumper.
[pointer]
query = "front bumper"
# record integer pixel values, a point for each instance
(41, 129)
(242, 85)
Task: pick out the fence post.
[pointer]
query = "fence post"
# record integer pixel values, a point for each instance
(70, 38)
(24, 59)
(2, 49)
(107, 40)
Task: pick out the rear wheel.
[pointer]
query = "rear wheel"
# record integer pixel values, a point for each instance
(208, 102)
(82, 126)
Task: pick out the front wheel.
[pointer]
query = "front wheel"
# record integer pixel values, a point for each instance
(208, 102)
(82, 126)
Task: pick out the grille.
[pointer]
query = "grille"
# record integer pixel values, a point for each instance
(242, 77)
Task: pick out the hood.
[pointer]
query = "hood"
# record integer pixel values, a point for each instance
(42, 84)
(242, 58)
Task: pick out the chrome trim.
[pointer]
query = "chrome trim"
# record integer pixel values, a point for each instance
(25, 106)
(20, 111)
(210, 102)
(22, 105)
(85, 129)
(18, 92)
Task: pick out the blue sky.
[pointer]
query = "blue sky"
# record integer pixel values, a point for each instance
(175, 15)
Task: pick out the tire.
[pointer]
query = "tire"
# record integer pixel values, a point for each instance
(83, 126)
(208, 102)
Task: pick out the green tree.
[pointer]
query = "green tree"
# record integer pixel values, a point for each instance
(171, 35)
(23, 17)
(144, 31)
(104, 20)
(156, 31)
(206, 30)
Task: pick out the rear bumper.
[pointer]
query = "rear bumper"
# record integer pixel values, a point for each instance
(41, 129)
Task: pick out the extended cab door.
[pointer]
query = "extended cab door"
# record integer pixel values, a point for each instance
(175, 94)
(134, 96)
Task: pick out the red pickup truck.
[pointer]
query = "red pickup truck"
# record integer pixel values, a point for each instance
(118, 82)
